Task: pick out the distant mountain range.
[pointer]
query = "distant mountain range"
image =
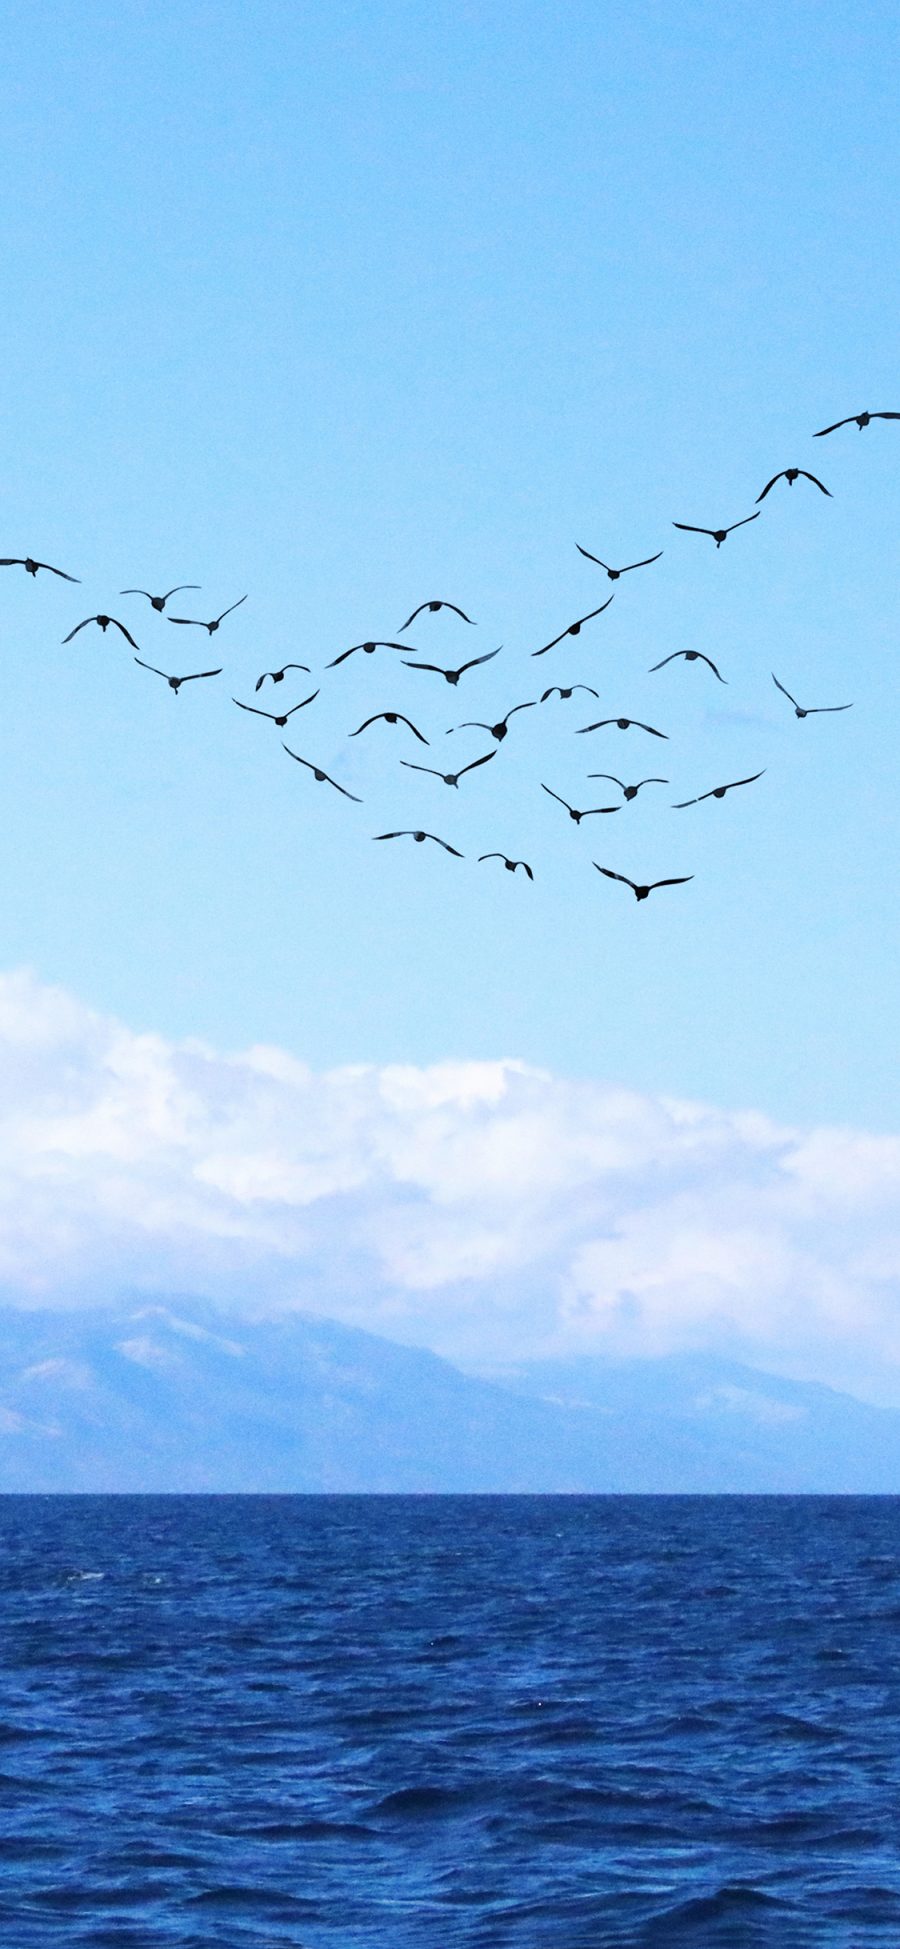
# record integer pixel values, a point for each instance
(178, 1396)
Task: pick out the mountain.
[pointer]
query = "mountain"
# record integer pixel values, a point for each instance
(177, 1396)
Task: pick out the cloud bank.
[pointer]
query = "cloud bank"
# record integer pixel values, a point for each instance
(488, 1210)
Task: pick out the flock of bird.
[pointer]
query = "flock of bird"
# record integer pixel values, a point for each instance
(412, 659)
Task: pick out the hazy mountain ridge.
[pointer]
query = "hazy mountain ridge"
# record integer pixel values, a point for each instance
(180, 1396)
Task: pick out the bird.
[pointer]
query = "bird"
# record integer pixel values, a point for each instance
(368, 648)
(860, 419)
(433, 605)
(510, 864)
(568, 692)
(578, 816)
(390, 717)
(614, 573)
(419, 836)
(718, 534)
(321, 777)
(497, 730)
(175, 683)
(622, 724)
(690, 656)
(450, 777)
(641, 892)
(277, 676)
(790, 474)
(104, 622)
(282, 720)
(574, 628)
(630, 791)
(159, 602)
(812, 710)
(28, 563)
(718, 791)
(453, 676)
(216, 620)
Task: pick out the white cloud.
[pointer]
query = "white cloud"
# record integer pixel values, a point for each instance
(487, 1209)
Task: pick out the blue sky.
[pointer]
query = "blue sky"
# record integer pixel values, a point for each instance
(354, 306)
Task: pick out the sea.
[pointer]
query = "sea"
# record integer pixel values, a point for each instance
(473, 1722)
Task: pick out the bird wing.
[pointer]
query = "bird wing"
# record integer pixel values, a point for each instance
(681, 803)
(429, 666)
(610, 775)
(833, 429)
(476, 762)
(443, 842)
(613, 876)
(18, 561)
(666, 659)
(194, 620)
(412, 618)
(261, 680)
(458, 612)
(716, 673)
(601, 721)
(160, 673)
(555, 795)
(817, 709)
(770, 483)
(227, 612)
(125, 632)
(292, 666)
(816, 482)
(76, 578)
(872, 416)
(343, 657)
(519, 707)
(728, 531)
(680, 882)
(472, 660)
(78, 626)
(482, 856)
(205, 673)
(556, 639)
(686, 529)
(405, 834)
(644, 564)
(136, 592)
(754, 775)
(524, 862)
(407, 762)
(594, 809)
(302, 704)
(416, 734)
(249, 707)
(785, 693)
(592, 558)
(177, 591)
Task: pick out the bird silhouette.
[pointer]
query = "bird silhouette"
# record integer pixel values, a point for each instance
(321, 777)
(629, 791)
(175, 683)
(510, 864)
(450, 777)
(718, 791)
(104, 623)
(641, 892)
(433, 606)
(790, 474)
(368, 649)
(159, 602)
(859, 419)
(574, 628)
(578, 816)
(453, 676)
(390, 717)
(28, 563)
(569, 690)
(282, 720)
(497, 730)
(690, 656)
(277, 676)
(718, 534)
(407, 833)
(614, 573)
(811, 710)
(193, 621)
(622, 724)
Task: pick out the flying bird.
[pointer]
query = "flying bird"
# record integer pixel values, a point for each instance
(622, 724)
(277, 676)
(419, 836)
(641, 892)
(812, 710)
(718, 534)
(629, 791)
(321, 777)
(614, 573)
(859, 419)
(31, 567)
(282, 720)
(175, 683)
(510, 864)
(578, 816)
(390, 717)
(368, 648)
(159, 602)
(435, 605)
(193, 620)
(690, 656)
(569, 690)
(453, 676)
(718, 791)
(450, 777)
(104, 622)
(574, 628)
(790, 474)
(497, 730)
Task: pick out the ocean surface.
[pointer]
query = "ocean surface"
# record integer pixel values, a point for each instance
(331, 1722)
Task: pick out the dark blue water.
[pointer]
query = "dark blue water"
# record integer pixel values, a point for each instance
(453, 1720)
